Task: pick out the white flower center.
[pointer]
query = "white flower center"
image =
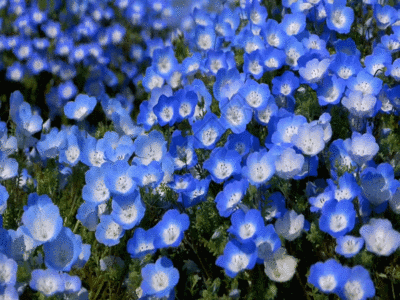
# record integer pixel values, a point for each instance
(338, 222)
(247, 231)
(327, 283)
(238, 262)
(171, 234)
(159, 281)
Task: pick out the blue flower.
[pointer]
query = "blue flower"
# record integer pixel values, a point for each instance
(253, 64)
(330, 91)
(159, 278)
(327, 276)
(164, 62)
(166, 110)
(197, 194)
(115, 147)
(150, 175)
(384, 16)
(290, 225)
(242, 143)
(377, 61)
(236, 115)
(87, 214)
(204, 38)
(8, 268)
(119, 177)
(245, 226)
(80, 108)
(289, 163)
(338, 218)
(182, 151)
(237, 257)
(348, 245)
(170, 229)
(15, 72)
(108, 232)
(357, 285)
(273, 59)
(286, 84)
(128, 210)
(293, 24)
(365, 83)
(267, 242)
(347, 189)
(286, 128)
(339, 17)
(142, 243)
(260, 167)
(380, 238)
(207, 132)
(309, 139)
(227, 84)
(273, 34)
(41, 218)
(232, 194)
(151, 147)
(361, 148)
(48, 282)
(62, 253)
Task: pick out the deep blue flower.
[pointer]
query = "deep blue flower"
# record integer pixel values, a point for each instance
(327, 276)
(142, 243)
(108, 232)
(128, 210)
(357, 285)
(338, 218)
(232, 194)
(349, 245)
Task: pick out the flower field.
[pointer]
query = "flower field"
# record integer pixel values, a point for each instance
(169, 149)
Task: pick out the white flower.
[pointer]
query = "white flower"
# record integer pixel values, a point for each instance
(280, 267)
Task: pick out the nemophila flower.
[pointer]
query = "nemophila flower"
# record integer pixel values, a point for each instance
(8, 271)
(361, 105)
(142, 243)
(256, 95)
(273, 34)
(232, 194)
(186, 104)
(242, 143)
(119, 177)
(182, 151)
(67, 90)
(357, 284)
(152, 80)
(314, 70)
(51, 29)
(330, 90)
(83, 256)
(347, 189)
(215, 61)
(41, 218)
(365, 83)
(37, 16)
(394, 202)
(260, 167)
(280, 267)
(128, 210)
(92, 155)
(48, 282)
(267, 242)
(248, 41)
(170, 229)
(286, 84)
(376, 63)
(274, 207)
(378, 184)
(380, 238)
(80, 108)
(204, 99)
(288, 164)
(227, 84)
(392, 95)
(150, 175)
(237, 257)
(95, 190)
(72, 284)
(309, 139)
(115, 147)
(181, 184)
(345, 66)
(393, 70)
(286, 128)
(361, 148)
(256, 13)
(245, 226)
(151, 147)
(204, 37)
(236, 115)
(159, 279)
(3, 199)
(290, 225)
(62, 253)
(339, 17)
(87, 214)
(384, 16)
(273, 59)
(164, 62)
(327, 277)
(265, 115)
(293, 50)
(293, 24)
(190, 65)
(23, 50)
(253, 64)
(207, 131)
(108, 232)
(10, 292)
(15, 72)
(348, 245)
(316, 45)
(71, 153)
(146, 116)
(338, 218)
(166, 110)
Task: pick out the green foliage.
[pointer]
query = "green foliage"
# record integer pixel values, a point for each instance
(307, 103)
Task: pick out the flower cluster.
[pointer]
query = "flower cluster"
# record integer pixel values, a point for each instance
(261, 119)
